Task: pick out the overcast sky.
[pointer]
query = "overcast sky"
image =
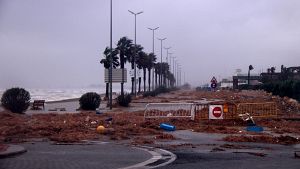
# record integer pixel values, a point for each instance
(58, 43)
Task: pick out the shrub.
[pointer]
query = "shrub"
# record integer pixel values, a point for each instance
(147, 94)
(90, 101)
(124, 100)
(289, 88)
(17, 100)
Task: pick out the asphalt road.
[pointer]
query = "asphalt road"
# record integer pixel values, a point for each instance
(192, 160)
(206, 151)
(43, 155)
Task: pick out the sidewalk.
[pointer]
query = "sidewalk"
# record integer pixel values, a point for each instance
(11, 150)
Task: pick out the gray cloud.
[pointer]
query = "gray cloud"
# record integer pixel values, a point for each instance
(60, 42)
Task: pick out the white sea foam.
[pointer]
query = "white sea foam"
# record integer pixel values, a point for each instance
(61, 94)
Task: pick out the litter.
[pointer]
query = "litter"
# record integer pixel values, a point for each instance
(167, 127)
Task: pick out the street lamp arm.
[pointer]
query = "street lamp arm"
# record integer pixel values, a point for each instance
(139, 13)
(131, 12)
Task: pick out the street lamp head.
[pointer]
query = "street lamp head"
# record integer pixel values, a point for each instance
(153, 29)
(161, 39)
(135, 13)
(168, 48)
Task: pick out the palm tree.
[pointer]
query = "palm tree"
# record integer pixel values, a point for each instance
(157, 72)
(135, 49)
(171, 78)
(250, 68)
(106, 62)
(150, 62)
(165, 69)
(141, 64)
(138, 62)
(124, 46)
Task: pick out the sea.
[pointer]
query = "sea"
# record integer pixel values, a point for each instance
(59, 94)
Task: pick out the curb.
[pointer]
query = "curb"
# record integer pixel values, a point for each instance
(160, 157)
(12, 150)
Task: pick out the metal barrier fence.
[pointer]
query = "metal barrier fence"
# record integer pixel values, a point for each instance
(169, 110)
(200, 111)
(258, 110)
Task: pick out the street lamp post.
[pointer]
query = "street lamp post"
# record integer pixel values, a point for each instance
(179, 79)
(111, 60)
(161, 42)
(167, 48)
(134, 58)
(174, 69)
(176, 72)
(170, 66)
(153, 29)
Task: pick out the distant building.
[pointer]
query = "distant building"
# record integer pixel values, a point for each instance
(290, 73)
(241, 79)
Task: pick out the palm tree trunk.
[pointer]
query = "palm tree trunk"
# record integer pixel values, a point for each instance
(149, 80)
(140, 81)
(155, 80)
(106, 90)
(132, 79)
(159, 80)
(153, 70)
(144, 71)
(122, 67)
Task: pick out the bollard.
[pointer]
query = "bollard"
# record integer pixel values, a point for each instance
(167, 127)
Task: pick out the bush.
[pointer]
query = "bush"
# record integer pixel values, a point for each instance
(17, 100)
(159, 90)
(89, 101)
(124, 100)
(289, 88)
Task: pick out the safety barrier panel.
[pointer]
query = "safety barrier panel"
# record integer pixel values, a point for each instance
(258, 110)
(169, 110)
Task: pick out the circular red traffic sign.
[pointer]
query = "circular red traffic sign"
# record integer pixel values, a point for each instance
(217, 112)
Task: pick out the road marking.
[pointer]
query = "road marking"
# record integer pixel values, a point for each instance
(157, 154)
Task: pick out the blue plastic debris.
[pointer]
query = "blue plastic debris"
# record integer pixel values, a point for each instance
(255, 128)
(167, 127)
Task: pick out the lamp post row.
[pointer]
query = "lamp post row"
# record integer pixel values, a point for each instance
(135, 54)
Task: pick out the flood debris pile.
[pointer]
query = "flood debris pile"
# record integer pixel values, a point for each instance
(132, 125)
(73, 127)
